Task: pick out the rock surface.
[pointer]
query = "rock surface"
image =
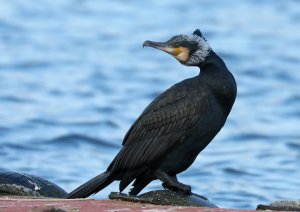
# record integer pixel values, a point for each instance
(17, 184)
(282, 205)
(166, 197)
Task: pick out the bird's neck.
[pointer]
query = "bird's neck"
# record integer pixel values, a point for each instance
(218, 78)
(213, 63)
(213, 68)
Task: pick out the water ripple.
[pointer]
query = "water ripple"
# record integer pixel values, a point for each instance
(74, 77)
(75, 140)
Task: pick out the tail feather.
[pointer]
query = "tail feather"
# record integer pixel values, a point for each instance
(140, 183)
(92, 186)
(127, 178)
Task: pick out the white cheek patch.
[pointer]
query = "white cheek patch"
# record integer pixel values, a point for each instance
(202, 52)
(183, 55)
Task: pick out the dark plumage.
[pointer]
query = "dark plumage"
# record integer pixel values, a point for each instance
(179, 123)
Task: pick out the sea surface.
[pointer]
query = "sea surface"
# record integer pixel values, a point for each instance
(74, 77)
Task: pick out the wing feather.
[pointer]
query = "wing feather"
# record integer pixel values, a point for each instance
(162, 125)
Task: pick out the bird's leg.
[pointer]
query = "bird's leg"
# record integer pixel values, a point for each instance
(166, 186)
(186, 189)
(171, 182)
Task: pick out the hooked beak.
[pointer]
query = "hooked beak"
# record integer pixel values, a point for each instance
(161, 46)
(156, 45)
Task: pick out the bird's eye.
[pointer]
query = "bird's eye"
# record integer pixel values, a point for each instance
(176, 45)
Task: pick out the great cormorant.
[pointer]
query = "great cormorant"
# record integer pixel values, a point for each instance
(167, 137)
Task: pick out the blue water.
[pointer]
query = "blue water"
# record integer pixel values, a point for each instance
(74, 77)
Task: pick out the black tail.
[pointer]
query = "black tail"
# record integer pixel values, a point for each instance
(92, 186)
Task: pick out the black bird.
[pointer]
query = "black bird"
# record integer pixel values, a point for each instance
(179, 123)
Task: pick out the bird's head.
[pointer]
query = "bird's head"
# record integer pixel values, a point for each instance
(190, 50)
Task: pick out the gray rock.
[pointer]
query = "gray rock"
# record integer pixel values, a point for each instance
(17, 184)
(166, 197)
(282, 205)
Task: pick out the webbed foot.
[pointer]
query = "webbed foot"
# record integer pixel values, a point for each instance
(171, 183)
(179, 187)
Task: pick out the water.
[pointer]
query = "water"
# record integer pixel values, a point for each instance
(74, 77)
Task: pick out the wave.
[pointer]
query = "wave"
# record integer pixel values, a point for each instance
(78, 139)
